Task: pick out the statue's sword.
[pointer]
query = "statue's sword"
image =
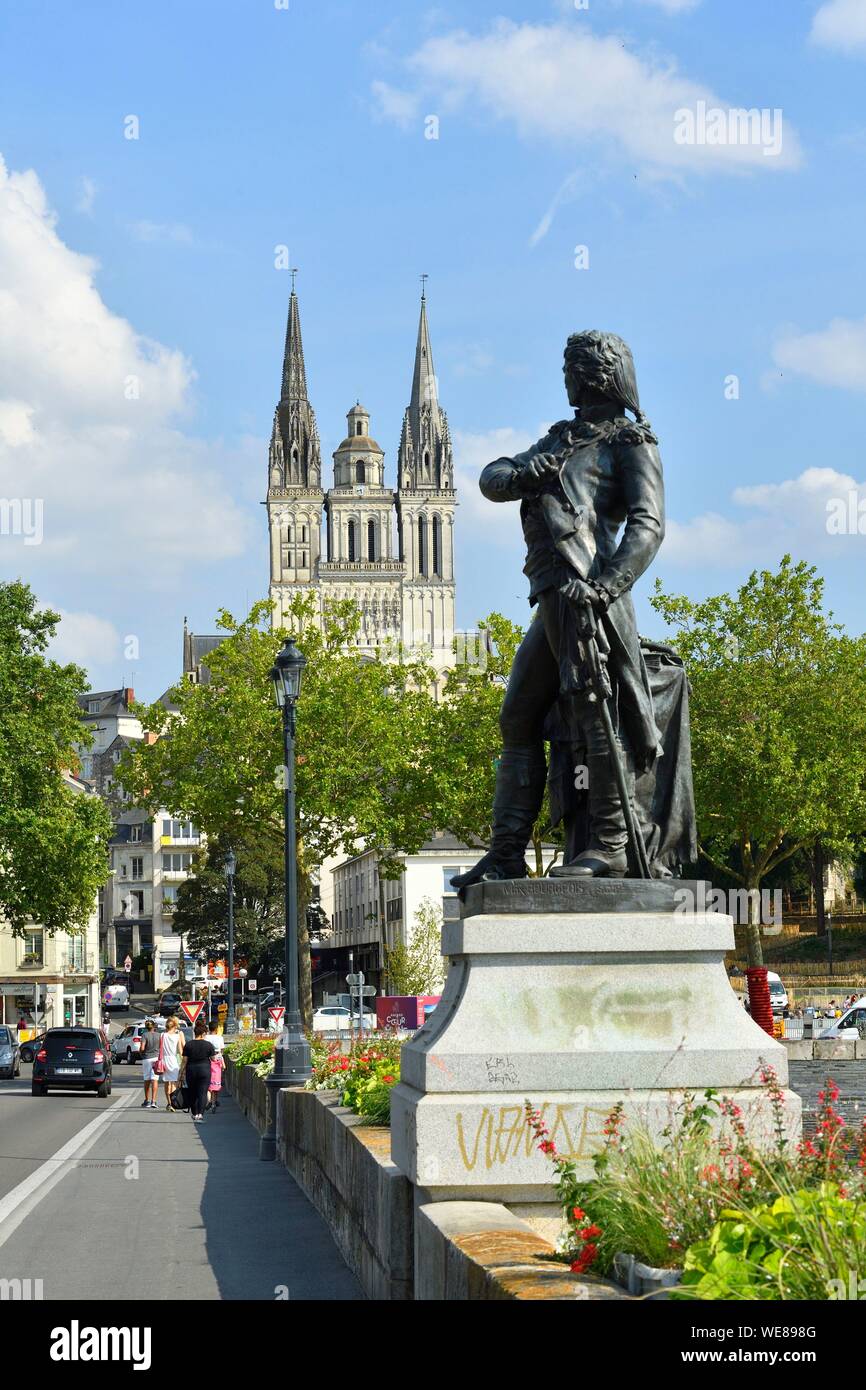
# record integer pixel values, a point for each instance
(594, 650)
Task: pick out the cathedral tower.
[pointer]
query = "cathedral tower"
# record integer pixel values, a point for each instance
(425, 511)
(295, 496)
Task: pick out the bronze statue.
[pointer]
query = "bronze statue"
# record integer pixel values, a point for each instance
(581, 678)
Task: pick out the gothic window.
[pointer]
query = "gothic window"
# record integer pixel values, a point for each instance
(289, 534)
(371, 540)
(303, 533)
(358, 427)
(303, 559)
(359, 472)
(437, 546)
(422, 545)
(352, 549)
(426, 464)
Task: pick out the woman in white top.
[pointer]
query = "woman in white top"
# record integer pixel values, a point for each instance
(170, 1053)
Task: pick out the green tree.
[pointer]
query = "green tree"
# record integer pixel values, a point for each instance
(417, 966)
(53, 839)
(201, 915)
(364, 749)
(469, 741)
(778, 711)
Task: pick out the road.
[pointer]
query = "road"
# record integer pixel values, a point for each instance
(101, 1199)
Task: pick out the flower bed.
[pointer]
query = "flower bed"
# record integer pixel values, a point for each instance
(709, 1202)
(365, 1075)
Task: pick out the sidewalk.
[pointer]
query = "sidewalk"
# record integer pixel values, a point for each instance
(163, 1209)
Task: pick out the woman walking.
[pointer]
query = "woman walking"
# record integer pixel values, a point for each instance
(217, 1066)
(195, 1069)
(149, 1056)
(170, 1057)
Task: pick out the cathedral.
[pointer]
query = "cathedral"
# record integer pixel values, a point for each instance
(392, 551)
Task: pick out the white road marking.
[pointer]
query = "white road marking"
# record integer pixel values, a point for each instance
(21, 1201)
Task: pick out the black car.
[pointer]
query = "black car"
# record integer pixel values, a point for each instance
(75, 1059)
(169, 1003)
(29, 1049)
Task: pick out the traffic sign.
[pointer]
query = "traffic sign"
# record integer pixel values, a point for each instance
(276, 1012)
(127, 964)
(354, 980)
(192, 1009)
(252, 984)
(367, 990)
(222, 1009)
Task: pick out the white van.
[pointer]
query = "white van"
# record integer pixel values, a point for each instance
(115, 997)
(778, 993)
(852, 1024)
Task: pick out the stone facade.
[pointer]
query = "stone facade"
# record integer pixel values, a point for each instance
(391, 551)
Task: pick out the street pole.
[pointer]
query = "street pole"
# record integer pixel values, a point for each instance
(292, 1061)
(231, 989)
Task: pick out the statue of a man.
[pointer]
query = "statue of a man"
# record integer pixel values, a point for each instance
(577, 487)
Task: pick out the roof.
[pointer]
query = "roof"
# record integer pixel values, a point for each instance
(359, 443)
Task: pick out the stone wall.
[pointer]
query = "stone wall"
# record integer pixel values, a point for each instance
(447, 1251)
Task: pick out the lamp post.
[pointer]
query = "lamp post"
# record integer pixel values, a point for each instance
(229, 867)
(292, 1052)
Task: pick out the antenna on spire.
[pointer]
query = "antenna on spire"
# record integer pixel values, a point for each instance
(294, 273)
(424, 279)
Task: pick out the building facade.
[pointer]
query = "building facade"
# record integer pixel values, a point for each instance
(391, 550)
(51, 979)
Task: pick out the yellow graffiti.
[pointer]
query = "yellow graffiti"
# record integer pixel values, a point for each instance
(502, 1133)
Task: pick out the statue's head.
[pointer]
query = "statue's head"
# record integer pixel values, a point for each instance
(600, 365)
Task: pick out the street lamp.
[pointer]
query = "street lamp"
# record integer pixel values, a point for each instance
(292, 1052)
(229, 867)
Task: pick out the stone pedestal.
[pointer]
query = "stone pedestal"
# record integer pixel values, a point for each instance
(574, 995)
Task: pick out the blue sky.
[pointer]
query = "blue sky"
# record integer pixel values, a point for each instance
(153, 259)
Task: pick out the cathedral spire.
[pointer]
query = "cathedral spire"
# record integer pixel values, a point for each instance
(424, 459)
(294, 372)
(424, 390)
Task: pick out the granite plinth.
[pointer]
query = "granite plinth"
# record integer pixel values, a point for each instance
(576, 1011)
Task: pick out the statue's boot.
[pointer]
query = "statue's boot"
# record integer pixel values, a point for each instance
(520, 779)
(605, 856)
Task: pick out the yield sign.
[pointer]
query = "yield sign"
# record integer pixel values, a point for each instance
(276, 1012)
(192, 1009)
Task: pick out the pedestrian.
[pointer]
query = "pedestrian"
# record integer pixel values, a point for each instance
(196, 1069)
(217, 1066)
(149, 1055)
(170, 1057)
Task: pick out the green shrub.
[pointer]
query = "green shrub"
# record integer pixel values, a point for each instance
(803, 1245)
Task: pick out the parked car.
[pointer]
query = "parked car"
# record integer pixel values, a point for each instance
(851, 1025)
(128, 1045)
(10, 1054)
(169, 1003)
(115, 997)
(29, 1049)
(335, 1018)
(73, 1059)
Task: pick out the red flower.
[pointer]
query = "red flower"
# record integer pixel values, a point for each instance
(590, 1233)
(388, 1079)
(578, 1213)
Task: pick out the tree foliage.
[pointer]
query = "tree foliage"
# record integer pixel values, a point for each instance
(417, 966)
(53, 839)
(778, 709)
(202, 901)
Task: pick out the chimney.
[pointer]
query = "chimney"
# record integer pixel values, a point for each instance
(129, 695)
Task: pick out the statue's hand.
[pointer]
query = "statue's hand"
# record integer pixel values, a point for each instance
(534, 473)
(578, 591)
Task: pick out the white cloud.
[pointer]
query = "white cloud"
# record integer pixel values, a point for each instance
(500, 521)
(832, 356)
(562, 83)
(89, 413)
(396, 105)
(840, 24)
(86, 197)
(84, 638)
(773, 519)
